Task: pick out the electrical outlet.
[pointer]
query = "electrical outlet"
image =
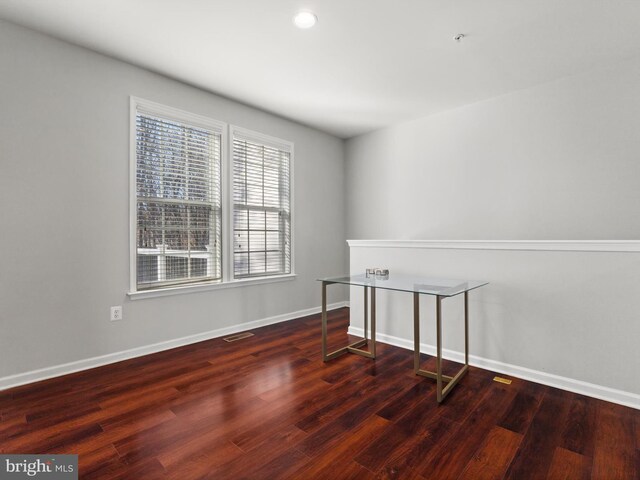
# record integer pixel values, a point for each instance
(116, 313)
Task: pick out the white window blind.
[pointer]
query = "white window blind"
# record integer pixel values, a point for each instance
(178, 201)
(261, 207)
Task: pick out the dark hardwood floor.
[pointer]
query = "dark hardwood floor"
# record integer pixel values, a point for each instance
(267, 407)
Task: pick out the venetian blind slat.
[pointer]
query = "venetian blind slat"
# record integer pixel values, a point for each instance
(178, 187)
(262, 209)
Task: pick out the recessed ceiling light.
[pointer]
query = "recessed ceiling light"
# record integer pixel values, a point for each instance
(305, 20)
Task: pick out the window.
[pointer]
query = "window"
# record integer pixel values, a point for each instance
(261, 205)
(202, 218)
(178, 203)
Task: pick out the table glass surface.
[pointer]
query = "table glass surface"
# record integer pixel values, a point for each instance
(409, 283)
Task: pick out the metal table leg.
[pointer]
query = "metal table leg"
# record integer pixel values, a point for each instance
(441, 391)
(353, 347)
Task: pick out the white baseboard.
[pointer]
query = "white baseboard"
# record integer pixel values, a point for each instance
(576, 386)
(66, 368)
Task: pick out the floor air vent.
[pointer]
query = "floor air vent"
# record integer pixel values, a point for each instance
(506, 381)
(237, 336)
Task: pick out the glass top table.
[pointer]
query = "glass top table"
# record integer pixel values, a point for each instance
(409, 283)
(417, 285)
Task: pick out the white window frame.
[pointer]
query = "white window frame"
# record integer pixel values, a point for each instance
(226, 175)
(271, 142)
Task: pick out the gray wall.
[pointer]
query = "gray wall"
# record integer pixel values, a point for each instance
(558, 161)
(64, 140)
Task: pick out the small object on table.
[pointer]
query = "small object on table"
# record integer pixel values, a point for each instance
(382, 273)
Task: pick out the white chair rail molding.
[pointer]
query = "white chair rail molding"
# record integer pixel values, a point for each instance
(557, 312)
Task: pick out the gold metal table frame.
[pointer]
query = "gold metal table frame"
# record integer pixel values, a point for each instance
(444, 383)
(441, 390)
(353, 347)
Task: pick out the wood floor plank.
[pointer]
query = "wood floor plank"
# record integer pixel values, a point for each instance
(195, 467)
(87, 425)
(273, 452)
(404, 474)
(279, 467)
(400, 406)
(354, 441)
(450, 456)
(287, 433)
(494, 455)
(148, 469)
(163, 437)
(579, 432)
(615, 455)
(421, 422)
(523, 408)
(320, 406)
(174, 458)
(92, 461)
(331, 433)
(392, 440)
(568, 465)
(534, 458)
(344, 396)
(35, 442)
(11, 426)
(404, 461)
(269, 407)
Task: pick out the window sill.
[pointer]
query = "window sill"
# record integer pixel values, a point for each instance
(165, 292)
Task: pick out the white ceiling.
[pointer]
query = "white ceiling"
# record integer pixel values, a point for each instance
(365, 65)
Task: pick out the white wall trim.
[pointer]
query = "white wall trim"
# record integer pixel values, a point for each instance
(77, 366)
(528, 245)
(576, 386)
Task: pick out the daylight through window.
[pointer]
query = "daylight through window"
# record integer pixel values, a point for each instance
(178, 208)
(261, 206)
